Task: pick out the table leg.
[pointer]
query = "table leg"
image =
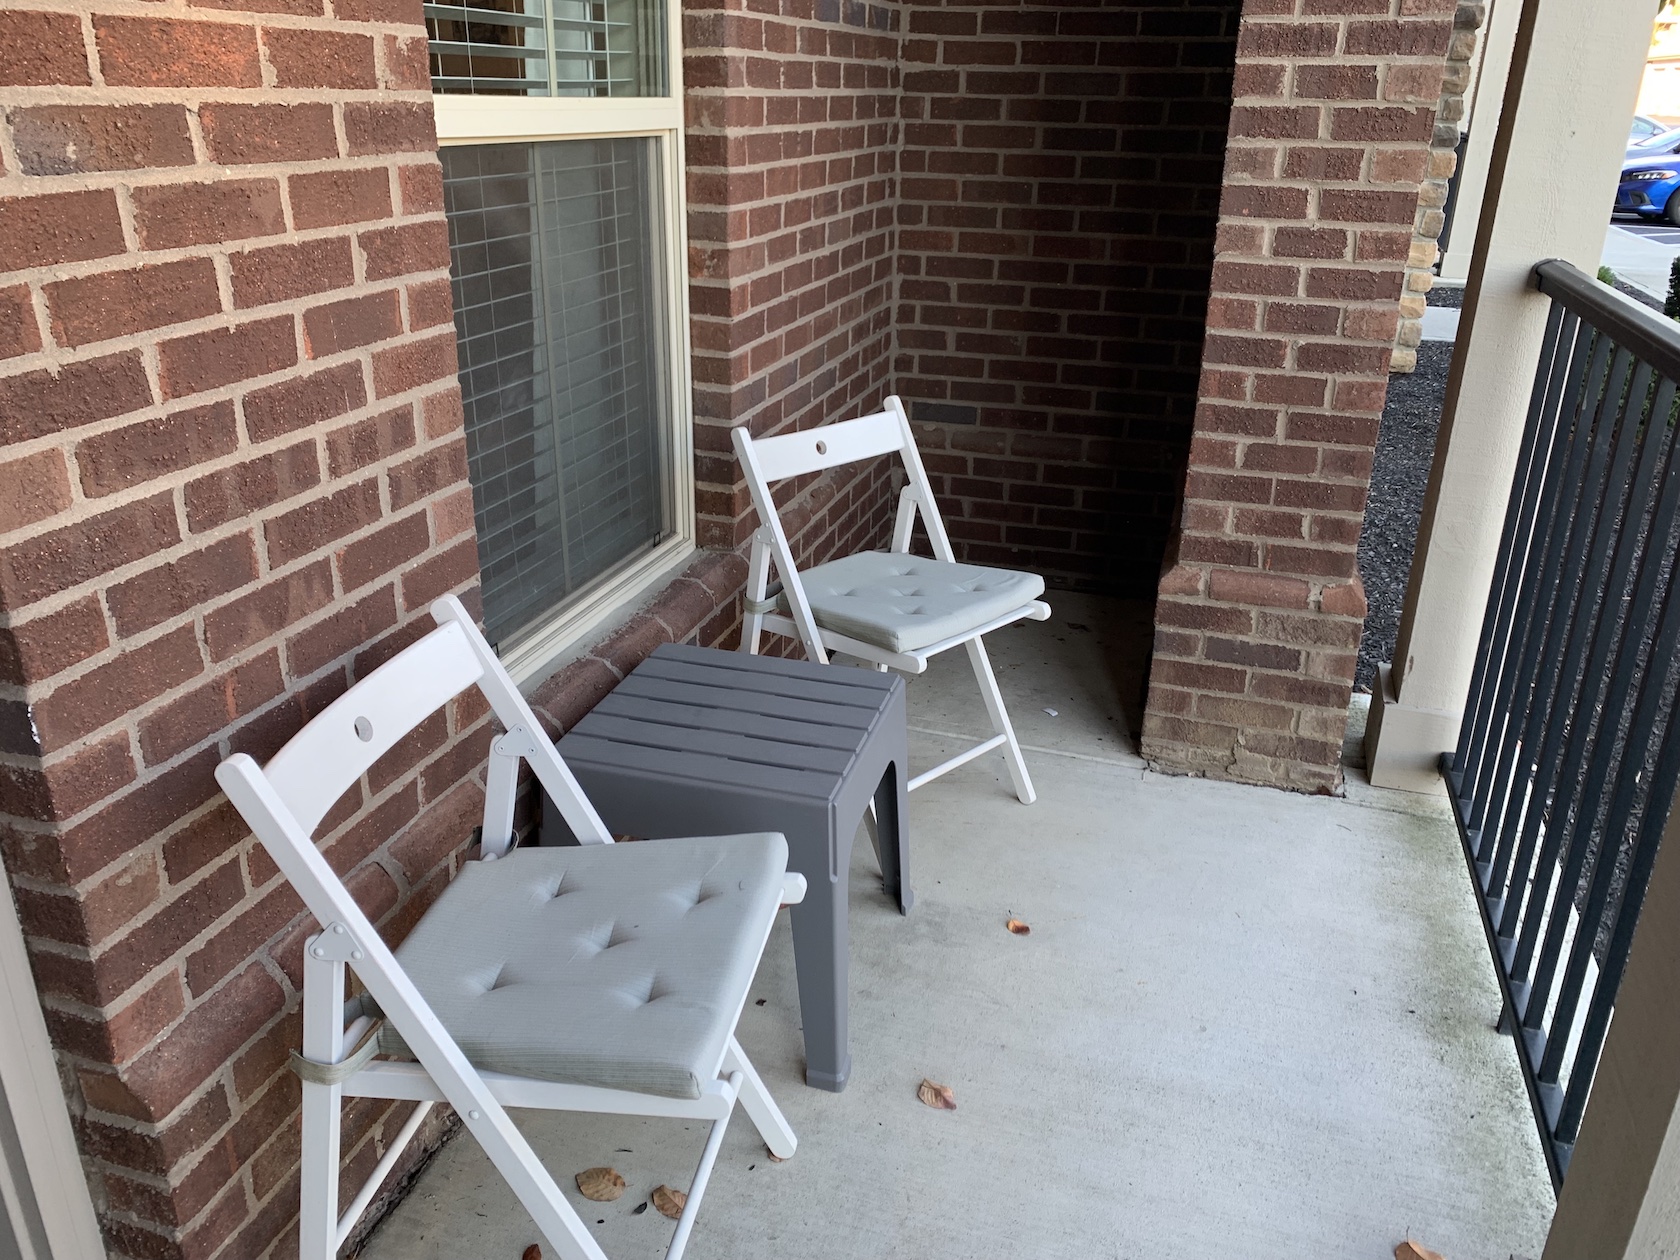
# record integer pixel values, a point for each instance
(822, 957)
(892, 836)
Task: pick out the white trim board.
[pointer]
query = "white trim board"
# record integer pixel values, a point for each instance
(41, 1181)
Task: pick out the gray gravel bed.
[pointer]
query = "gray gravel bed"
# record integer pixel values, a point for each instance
(1447, 295)
(1399, 477)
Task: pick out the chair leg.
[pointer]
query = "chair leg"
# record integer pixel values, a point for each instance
(501, 797)
(507, 1148)
(761, 1109)
(318, 1219)
(323, 1041)
(702, 1175)
(757, 596)
(1000, 720)
(534, 1186)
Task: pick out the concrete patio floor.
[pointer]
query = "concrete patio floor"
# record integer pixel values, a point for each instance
(1246, 1023)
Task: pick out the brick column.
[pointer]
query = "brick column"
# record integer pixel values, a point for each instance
(233, 478)
(1260, 608)
(792, 183)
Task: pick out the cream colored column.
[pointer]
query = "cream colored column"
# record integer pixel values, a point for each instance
(1575, 72)
(1621, 1195)
(1493, 73)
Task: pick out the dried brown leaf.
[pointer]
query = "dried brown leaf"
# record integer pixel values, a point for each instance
(1411, 1250)
(774, 1158)
(669, 1202)
(533, 1252)
(602, 1185)
(1019, 928)
(939, 1097)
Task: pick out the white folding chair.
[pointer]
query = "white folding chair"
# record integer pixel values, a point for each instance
(892, 608)
(598, 977)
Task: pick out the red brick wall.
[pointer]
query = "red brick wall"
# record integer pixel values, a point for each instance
(792, 110)
(232, 480)
(1258, 621)
(1059, 188)
(1043, 215)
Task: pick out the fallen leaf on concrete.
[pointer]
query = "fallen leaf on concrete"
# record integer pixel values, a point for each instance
(1019, 928)
(533, 1252)
(939, 1097)
(1410, 1250)
(602, 1185)
(669, 1202)
(774, 1158)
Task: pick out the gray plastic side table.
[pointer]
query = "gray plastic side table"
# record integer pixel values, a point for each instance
(702, 742)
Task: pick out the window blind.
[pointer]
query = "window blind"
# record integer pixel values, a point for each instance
(558, 300)
(547, 47)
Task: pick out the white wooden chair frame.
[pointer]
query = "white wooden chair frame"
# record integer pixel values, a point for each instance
(887, 432)
(284, 802)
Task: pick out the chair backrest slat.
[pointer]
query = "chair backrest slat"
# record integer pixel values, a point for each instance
(794, 454)
(323, 759)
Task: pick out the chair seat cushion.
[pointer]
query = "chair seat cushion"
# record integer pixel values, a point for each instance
(902, 603)
(623, 966)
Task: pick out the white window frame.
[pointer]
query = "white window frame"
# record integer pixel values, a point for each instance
(462, 120)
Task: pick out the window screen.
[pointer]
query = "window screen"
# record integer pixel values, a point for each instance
(548, 47)
(559, 307)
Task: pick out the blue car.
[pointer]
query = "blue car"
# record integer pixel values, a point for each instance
(1643, 128)
(1665, 140)
(1648, 185)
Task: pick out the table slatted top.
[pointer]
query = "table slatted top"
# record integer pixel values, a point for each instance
(754, 722)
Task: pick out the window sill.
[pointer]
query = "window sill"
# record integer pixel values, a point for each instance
(536, 655)
(707, 587)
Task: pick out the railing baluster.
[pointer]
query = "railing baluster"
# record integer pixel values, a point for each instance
(1557, 353)
(1616, 953)
(1506, 801)
(1567, 761)
(1493, 769)
(1644, 606)
(1554, 756)
(1603, 877)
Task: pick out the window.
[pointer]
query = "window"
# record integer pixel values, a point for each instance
(560, 128)
(579, 48)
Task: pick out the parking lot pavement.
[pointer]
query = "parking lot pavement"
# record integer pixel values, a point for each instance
(1642, 253)
(1661, 233)
(1440, 323)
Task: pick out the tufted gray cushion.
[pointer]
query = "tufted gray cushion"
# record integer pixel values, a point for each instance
(619, 965)
(902, 603)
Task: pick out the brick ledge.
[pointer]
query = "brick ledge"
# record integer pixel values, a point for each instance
(675, 613)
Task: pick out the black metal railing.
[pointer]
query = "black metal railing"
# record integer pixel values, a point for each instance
(1565, 772)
